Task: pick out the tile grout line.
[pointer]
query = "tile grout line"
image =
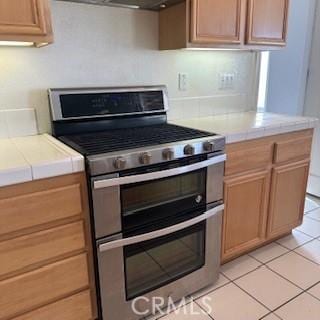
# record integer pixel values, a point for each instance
(300, 294)
(290, 251)
(209, 315)
(314, 219)
(249, 294)
(315, 237)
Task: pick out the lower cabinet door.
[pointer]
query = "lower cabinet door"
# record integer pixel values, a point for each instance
(76, 307)
(245, 215)
(289, 185)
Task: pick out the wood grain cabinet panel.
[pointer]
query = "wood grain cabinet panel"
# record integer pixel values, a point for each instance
(25, 20)
(293, 150)
(76, 307)
(43, 286)
(38, 208)
(216, 21)
(267, 22)
(37, 248)
(245, 216)
(287, 197)
(248, 159)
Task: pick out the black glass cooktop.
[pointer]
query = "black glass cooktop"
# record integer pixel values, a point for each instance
(131, 138)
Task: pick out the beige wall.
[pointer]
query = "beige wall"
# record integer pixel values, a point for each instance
(103, 46)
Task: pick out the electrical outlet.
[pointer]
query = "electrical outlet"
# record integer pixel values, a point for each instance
(226, 81)
(183, 82)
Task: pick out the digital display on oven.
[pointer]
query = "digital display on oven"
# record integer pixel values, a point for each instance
(100, 104)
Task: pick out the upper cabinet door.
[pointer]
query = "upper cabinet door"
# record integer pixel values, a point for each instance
(267, 22)
(217, 21)
(25, 20)
(22, 17)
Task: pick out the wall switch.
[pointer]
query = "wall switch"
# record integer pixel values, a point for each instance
(226, 81)
(183, 82)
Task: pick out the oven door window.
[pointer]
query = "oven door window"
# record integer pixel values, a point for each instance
(155, 263)
(154, 200)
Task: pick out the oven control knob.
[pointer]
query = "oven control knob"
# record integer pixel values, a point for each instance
(120, 163)
(168, 154)
(145, 158)
(208, 146)
(189, 150)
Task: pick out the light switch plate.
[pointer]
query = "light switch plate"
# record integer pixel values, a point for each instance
(227, 81)
(183, 82)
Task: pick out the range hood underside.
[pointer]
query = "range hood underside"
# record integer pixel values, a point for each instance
(154, 5)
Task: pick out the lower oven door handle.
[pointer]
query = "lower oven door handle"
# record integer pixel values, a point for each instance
(159, 233)
(100, 184)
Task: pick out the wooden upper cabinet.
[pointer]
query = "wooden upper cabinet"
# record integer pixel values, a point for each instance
(25, 20)
(267, 22)
(216, 21)
(224, 24)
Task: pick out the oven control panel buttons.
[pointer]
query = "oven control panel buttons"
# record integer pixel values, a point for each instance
(208, 146)
(189, 150)
(145, 158)
(120, 163)
(168, 154)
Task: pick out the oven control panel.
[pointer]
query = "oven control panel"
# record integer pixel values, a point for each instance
(117, 161)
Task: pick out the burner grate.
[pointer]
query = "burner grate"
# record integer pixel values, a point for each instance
(131, 138)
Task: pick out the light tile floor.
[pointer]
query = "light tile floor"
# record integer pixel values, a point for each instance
(278, 281)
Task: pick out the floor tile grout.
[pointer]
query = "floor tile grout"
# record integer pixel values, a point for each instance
(314, 209)
(252, 297)
(303, 292)
(315, 237)
(313, 219)
(209, 315)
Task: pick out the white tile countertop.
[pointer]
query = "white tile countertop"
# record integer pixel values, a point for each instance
(36, 157)
(249, 125)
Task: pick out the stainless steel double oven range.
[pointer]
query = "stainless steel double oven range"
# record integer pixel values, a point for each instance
(156, 195)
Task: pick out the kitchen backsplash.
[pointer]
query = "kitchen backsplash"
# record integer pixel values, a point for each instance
(103, 46)
(18, 123)
(186, 108)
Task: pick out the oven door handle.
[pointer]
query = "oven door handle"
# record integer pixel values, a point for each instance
(113, 244)
(105, 183)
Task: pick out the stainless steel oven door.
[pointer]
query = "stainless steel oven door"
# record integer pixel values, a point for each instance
(173, 262)
(120, 201)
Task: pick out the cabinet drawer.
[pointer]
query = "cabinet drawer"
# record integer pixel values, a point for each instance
(244, 160)
(77, 307)
(35, 248)
(297, 149)
(38, 288)
(33, 209)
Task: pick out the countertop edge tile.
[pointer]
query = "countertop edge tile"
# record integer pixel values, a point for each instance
(51, 169)
(77, 158)
(250, 125)
(15, 176)
(64, 159)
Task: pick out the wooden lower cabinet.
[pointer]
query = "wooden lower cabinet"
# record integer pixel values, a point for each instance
(265, 189)
(289, 184)
(76, 307)
(245, 213)
(46, 263)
